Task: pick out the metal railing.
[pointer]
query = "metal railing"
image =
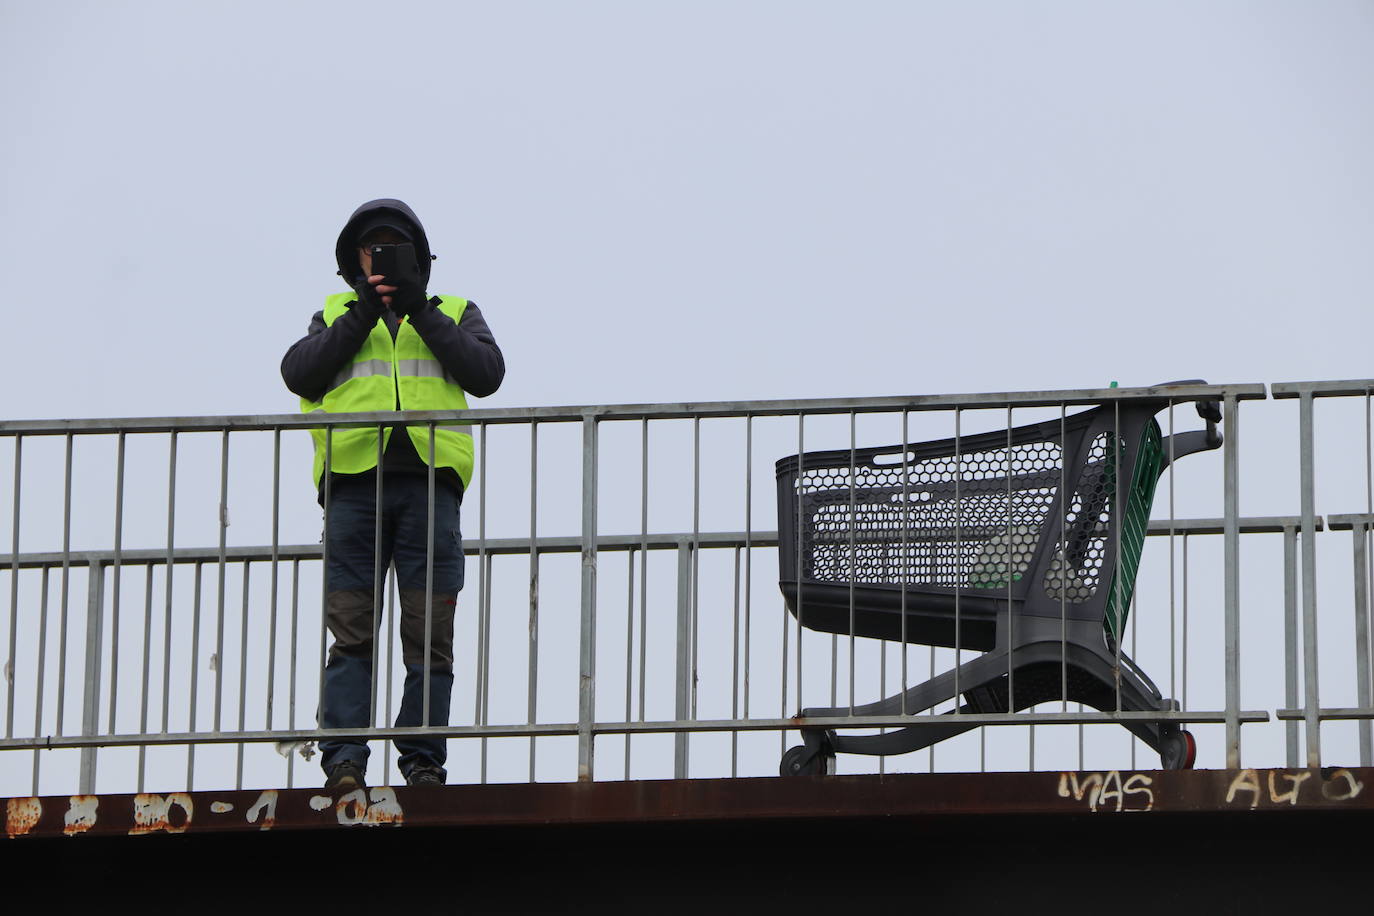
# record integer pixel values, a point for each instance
(649, 638)
(1312, 713)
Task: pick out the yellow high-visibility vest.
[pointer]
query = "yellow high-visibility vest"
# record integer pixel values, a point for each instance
(382, 374)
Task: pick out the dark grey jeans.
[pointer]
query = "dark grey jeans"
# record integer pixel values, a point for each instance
(354, 609)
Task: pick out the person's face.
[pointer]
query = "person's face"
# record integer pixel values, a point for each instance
(377, 237)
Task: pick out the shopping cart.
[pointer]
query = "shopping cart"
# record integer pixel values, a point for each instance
(1009, 544)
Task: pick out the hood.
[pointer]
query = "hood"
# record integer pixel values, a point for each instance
(391, 210)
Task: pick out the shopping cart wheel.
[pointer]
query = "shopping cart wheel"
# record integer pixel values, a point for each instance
(801, 761)
(1178, 751)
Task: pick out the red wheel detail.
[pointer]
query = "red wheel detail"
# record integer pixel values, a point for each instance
(1190, 757)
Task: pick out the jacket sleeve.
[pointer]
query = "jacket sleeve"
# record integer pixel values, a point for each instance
(312, 362)
(466, 348)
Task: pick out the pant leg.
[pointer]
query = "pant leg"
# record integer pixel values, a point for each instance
(412, 531)
(351, 615)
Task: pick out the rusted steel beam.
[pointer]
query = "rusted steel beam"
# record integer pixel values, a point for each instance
(697, 801)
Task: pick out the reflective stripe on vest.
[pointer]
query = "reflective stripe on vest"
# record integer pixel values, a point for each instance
(418, 368)
(384, 373)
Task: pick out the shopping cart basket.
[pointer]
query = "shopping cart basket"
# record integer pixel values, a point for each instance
(1009, 544)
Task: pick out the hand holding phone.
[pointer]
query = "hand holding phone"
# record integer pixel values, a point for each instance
(398, 266)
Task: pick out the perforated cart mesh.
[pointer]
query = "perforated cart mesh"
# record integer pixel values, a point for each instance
(965, 521)
(970, 521)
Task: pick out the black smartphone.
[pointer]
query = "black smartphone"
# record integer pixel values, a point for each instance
(387, 259)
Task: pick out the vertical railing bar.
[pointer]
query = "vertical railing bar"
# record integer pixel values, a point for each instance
(586, 715)
(486, 653)
(834, 670)
(196, 586)
(1132, 612)
(801, 419)
(90, 705)
(66, 580)
(243, 675)
(735, 666)
(147, 653)
(1183, 692)
(786, 624)
(481, 602)
(1065, 504)
(392, 587)
(1231, 526)
(682, 701)
(291, 681)
(853, 547)
(983, 732)
(379, 574)
(42, 665)
(748, 548)
(905, 555)
(481, 621)
(426, 663)
(643, 562)
(1309, 585)
(1173, 617)
(1011, 612)
(488, 588)
(532, 691)
(959, 565)
(14, 589)
(1064, 547)
(930, 673)
(883, 646)
(117, 568)
(220, 574)
(1290, 640)
(1118, 449)
(166, 659)
(326, 481)
(275, 578)
(168, 579)
(696, 555)
(1361, 571)
(629, 648)
(481, 635)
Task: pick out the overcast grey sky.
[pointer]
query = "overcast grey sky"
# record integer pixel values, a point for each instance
(706, 200)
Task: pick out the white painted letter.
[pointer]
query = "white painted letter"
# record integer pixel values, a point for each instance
(81, 814)
(21, 815)
(1111, 788)
(352, 808)
(1137, 784)
(1353, 786)
(1291, 797)
(266, 805)
(1248, 781)
(153, 813)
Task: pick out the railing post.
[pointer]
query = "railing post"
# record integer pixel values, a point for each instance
(586, 711)
(685, 674)
(1307, 475)
(90, 703)
(1231, 535)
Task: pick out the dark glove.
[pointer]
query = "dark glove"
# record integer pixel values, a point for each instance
(410, 296)
(370, 303)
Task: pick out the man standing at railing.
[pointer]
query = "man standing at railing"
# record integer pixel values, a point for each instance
(389, 345)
